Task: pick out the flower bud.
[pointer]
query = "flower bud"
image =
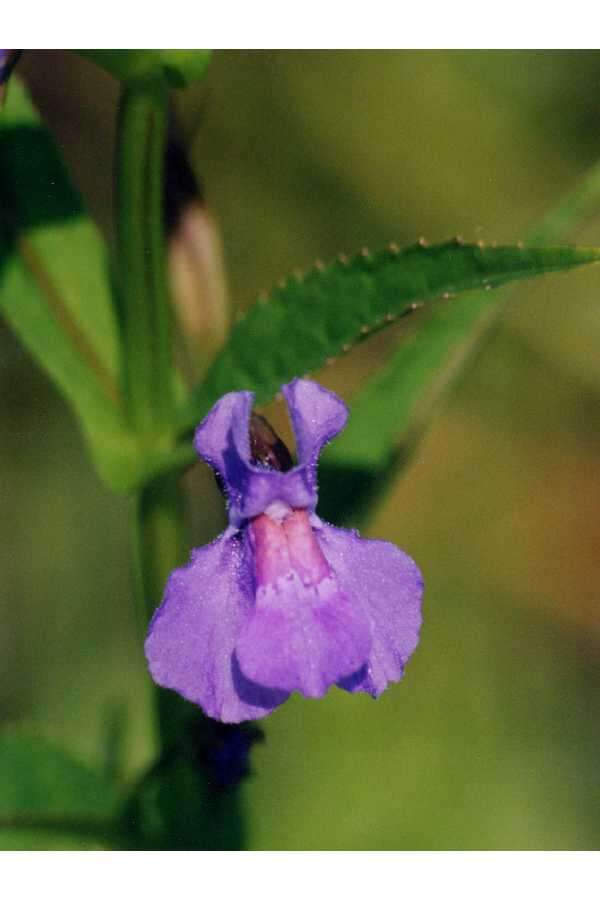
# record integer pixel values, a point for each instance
(196, 265)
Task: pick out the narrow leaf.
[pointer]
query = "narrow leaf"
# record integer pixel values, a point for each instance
(390, 413)
(313, 318)
(394, 406)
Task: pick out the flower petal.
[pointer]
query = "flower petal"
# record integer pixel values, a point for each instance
(388, 585)
(317, 416)
(302, 638)
(304, 634)
(193, 633)
(222, 438)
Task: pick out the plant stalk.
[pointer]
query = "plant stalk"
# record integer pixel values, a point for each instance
(141, 259)
(147, 379)
(161, 548)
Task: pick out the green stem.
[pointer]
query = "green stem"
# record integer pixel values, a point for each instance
(141, 261)
(147, 373)
(162, 537)
(147, 377)
(161, 548)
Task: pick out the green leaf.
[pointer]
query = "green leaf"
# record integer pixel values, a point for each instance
(54, 286)
(392, 410)
(313, 318)
(178, 67)
(47, 797)
(390, 414)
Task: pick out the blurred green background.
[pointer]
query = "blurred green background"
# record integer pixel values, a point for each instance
(493, 738)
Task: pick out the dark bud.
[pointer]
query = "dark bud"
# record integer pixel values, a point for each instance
(223, 751)
(182, 188)
(266, 449)
(197, 280)
(266, 446)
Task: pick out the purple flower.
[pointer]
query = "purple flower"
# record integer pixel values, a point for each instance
(281, 601)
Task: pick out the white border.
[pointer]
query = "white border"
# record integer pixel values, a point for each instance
(310, 24)
(301, 876)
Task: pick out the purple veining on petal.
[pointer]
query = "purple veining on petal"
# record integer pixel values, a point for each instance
(388, 585)
(304, 633)
(193, 633)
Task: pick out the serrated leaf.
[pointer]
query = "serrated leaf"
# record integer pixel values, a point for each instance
(392, 408)
(44, 792)
(313, 318)
(391, 412)
(54, 286)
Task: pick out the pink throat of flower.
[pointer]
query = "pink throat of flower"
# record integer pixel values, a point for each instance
(287, 545)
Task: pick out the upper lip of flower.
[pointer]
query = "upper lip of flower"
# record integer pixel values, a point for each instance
(223, 440)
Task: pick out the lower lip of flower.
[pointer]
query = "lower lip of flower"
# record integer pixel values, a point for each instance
(285, 544)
